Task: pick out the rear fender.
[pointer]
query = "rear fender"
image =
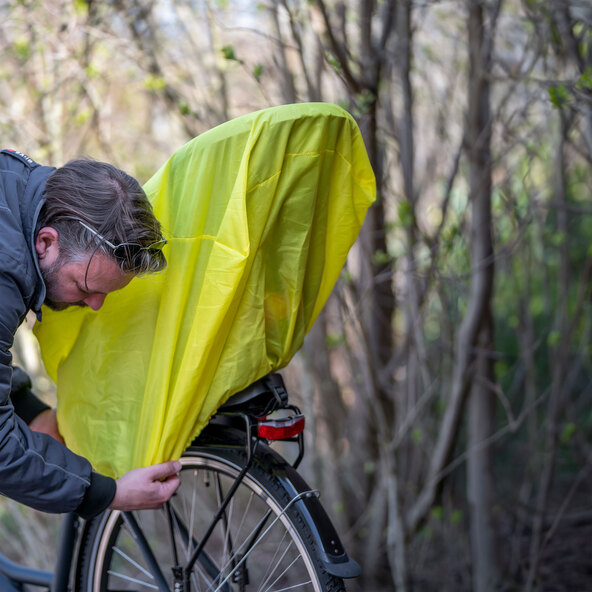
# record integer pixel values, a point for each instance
(335, 559)
(332, 552)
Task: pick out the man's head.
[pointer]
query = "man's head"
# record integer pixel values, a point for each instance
(97, 231)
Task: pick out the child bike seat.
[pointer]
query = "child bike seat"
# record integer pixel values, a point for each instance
(260, 398)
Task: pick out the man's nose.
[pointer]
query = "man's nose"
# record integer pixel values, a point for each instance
(95, 301)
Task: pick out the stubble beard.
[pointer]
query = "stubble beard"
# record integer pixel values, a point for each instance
(50, 279)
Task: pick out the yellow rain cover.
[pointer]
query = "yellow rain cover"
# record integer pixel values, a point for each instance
(260, 213)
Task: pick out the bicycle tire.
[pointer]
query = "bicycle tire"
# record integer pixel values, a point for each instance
(284, 557)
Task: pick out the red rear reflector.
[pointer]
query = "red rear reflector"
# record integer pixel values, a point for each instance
(281, 429)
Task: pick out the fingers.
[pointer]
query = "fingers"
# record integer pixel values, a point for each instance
(167, 487)
(147, 488)
(163, 470)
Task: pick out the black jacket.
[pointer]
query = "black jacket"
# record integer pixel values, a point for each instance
(35, 469)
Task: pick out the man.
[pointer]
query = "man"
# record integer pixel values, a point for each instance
(68, 237)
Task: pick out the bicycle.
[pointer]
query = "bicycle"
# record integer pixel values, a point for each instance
(243, 519)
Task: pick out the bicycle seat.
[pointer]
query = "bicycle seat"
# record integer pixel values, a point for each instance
(260, 398)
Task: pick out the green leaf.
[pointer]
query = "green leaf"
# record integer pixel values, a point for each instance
(559, 95)
(585, 81)
(568, 432)
(381, 258)
(363, 102)
(501, 368)
(347, 276)
(553, 338)
(339, 507)
(257, 72)
(154, 83)
(228, 53)
(81, 6)
(437, 512)
(91, 71)
(83, 116)
(22, 49)
(558, 239)
(405, 212)
(333, 62)
(537, 305)
(335, 339)
(184, 108)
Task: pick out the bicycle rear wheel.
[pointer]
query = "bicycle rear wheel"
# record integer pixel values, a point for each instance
(260, 544)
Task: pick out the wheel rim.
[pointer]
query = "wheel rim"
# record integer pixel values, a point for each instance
(255, 546)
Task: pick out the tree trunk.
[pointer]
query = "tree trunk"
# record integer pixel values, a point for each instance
(284, 72)
(559, 366)
(480, 472)
(478, 137)
(482, 398)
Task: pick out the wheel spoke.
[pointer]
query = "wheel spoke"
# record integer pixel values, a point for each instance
(254, 546)
(205, 562)
(134, 563)
(273, 563)
(261, 537)
(294, 586)
(280, 575)
(134, 580)
(192, 513)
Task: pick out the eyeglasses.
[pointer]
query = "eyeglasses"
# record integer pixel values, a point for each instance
(125, 251)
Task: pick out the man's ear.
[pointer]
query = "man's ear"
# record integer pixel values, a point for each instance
(47, 246)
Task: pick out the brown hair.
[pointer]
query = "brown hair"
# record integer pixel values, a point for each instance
(109, 201)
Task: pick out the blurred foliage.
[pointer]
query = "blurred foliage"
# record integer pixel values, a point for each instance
(129, 82)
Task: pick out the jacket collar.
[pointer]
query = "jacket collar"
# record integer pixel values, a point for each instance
(33, 202)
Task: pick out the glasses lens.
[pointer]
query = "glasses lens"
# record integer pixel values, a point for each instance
(129, 251)
(157, 246)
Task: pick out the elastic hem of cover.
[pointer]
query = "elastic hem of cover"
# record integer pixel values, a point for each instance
(98, 496)
(26, 405)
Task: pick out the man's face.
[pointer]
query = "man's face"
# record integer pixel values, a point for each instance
(83, 282)
(70, 284)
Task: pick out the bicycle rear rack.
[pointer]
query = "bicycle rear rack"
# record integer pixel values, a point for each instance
(247, 411)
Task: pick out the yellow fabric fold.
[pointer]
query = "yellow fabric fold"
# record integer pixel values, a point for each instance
(260, 213)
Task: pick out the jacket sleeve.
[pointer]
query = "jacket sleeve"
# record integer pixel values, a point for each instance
(26, 405)
(35, 469)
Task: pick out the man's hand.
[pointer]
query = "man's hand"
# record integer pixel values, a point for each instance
(147, 488)
(47, 423)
